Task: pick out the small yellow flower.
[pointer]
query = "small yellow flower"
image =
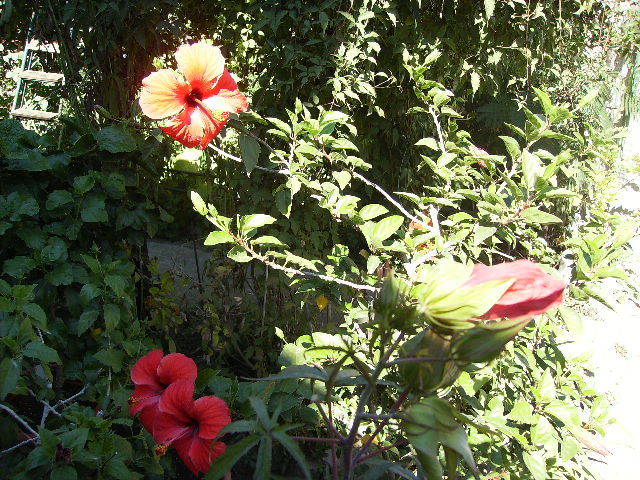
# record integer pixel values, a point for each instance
(322, 302)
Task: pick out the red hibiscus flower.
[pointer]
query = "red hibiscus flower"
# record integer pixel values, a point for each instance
(198, 105)
(191, 426)
(152, 374)
(533, 292)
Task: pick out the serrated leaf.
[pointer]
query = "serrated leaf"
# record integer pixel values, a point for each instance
(9, 375)
(216, 238)
(535, 464)
(249, 222)
(111, 314)
(116, 139)
(428, 142)
(535, 216)
(42, 352)
(249, 150)
(372, 211)
(239, 254)
(386, 227)
(475, 77)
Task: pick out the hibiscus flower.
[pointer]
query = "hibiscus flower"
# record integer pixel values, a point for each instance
(152, 374)
(197, 105)
(191, 426)
(533, 292)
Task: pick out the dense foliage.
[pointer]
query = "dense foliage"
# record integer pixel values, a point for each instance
(383, 136)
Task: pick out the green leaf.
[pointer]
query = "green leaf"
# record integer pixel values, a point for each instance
(294, 450)
(522, 412)
(299, 371)
(482, 233)
(9, 375)
(40, 351)
(429, 142)
(513, 147)
(544, 100)
(61, 275)
(268, 240)
(36, 312)
(86, 321)
(386, 227)
(249, 222)
(239, 254)
(546, 386)
(83, 184)
(18, 267)
(93, 208)
(343, 178)
(117, 283)
(64, 472)
(111, 314)
(111, 358)
(262, 468)
(535, 216)
(249, 150)
(198, 204)
(225, 462)
(475, 77)
(55, 251)
(58, 198)
(535, 464)
(116, 139)
(371, 211)
(531, 169)
(216, 238)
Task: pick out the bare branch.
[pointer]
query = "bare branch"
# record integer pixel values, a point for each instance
(24, 442)
(17, 418)
(238, 159)
(436, 120)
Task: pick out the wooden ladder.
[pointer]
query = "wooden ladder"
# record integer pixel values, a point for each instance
(27, 75)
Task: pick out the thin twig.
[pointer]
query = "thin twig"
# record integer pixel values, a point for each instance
(415, 360)
(17, 418)
(393, 201)
(362, 402)
(317, 439)
(24, 442)
(238, 159)
(433, 113)
(396, 406)
(329, 422)
(304, 273)
(382, 450)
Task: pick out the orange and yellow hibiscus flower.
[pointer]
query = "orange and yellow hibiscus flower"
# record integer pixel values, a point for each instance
(198, 106)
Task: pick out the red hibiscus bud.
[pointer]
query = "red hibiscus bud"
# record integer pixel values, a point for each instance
(533, 292)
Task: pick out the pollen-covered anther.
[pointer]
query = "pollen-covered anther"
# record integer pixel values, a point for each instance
(220, 115)
(161, 449)
(133, 400)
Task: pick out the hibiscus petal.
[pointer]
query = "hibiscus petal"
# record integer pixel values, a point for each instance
(202, 453)
(193, 128)
(201, 64)
(144, 396)
(177, 366)
(144, 372)
(212, 414)
(177, 400)
(148, 417)
(225, 96)
(163, 94)
(182, 446)
(167, 429)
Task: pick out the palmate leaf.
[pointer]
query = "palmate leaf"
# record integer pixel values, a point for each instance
(225, 462)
